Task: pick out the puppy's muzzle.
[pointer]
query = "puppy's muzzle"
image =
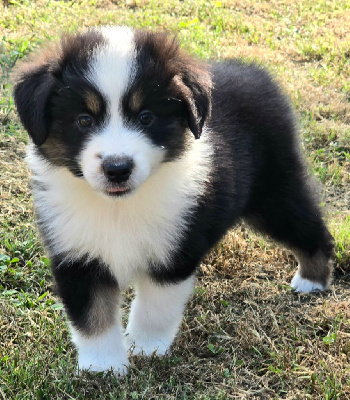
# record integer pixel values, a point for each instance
(117, 170)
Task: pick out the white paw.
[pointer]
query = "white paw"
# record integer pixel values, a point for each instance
(102, 353)
(91, 363)
(303, 285)
(147, 345)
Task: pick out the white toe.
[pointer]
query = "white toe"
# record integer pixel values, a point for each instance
(303, 285)
(103, 352)
(148, 346)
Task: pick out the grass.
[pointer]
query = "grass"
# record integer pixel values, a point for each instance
(245, 333)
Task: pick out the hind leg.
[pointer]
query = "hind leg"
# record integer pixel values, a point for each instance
(314, 272)
(293, 218)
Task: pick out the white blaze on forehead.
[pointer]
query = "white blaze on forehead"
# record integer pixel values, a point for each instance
(112, 64)
(111, 70)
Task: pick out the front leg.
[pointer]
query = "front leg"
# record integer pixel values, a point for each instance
(156, 314)
(90, 295)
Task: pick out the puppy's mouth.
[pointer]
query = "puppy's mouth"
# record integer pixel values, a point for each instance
(117, 191)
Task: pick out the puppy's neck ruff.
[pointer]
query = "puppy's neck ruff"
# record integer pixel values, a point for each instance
(126, 233)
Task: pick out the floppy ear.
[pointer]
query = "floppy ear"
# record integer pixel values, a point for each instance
(195, 85)
(33, 85)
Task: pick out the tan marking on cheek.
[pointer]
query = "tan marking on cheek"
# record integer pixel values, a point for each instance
(93, 102)
(55, 150)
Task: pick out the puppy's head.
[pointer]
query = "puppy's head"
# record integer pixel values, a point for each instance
(112, 105)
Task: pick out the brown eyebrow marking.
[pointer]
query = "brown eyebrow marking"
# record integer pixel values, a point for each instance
(93, 103)
(135, 101)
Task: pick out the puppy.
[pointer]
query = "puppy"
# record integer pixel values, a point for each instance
(125, 194)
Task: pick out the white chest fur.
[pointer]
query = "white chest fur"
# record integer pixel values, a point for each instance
(126, 233)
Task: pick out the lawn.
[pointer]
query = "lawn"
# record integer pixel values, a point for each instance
(246, 334)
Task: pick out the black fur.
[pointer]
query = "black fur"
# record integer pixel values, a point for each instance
(78, 284)
(159, 60)
(259, 173)
(36, 85)
(66, 140)
(52, 125)
(55, 82)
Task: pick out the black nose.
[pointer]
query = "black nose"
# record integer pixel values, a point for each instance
(117, 171)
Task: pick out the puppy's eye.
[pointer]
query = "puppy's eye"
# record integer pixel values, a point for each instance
(146, 118)
(84, 121)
